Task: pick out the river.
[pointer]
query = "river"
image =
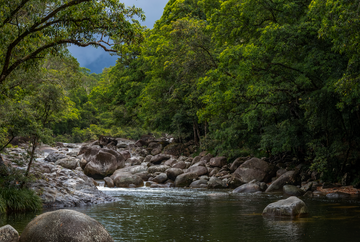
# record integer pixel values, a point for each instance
(148, 214)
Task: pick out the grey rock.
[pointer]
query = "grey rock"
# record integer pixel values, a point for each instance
(8, 234)
(108, 182)
(64, 226)
(292, 190)
(237, 162)
(290, 207)
(68, 162)
(172, 173)
(287, 178)
(54, 156)
(185, 179)
(250, 187)
(157, 159)
(218, 161)
(199, 184)
(206, 158)
(198, 170)
(61, 187)
(161, 178)
(179, 164)
(215, 182)
(124, 179)
(157, 168)
(254, 169)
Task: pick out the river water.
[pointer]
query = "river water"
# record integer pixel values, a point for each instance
(148, 214)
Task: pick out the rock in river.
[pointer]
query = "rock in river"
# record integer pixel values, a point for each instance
(256, 169)
(64, 226)
(8, 234)
(290, 207)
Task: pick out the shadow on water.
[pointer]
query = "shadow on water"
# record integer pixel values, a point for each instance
(145, 214)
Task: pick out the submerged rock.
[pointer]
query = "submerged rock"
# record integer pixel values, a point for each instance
(64, 226)
(290, 207)
(336, 195)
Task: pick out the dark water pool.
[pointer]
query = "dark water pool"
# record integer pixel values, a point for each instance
(145, 214)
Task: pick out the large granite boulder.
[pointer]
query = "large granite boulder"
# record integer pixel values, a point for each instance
(8, 234)
(256, 169)
(284, 179)
(179, 164)
(102, 162)
(68, 162)
(172, 173)
(198, 170)
(64, 226)
(125, 179)
(290, 207)
(218, 161)
(185, 179)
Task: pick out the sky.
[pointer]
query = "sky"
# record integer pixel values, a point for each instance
(96, 59)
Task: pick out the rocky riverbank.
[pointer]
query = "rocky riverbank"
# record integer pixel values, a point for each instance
(65, 173)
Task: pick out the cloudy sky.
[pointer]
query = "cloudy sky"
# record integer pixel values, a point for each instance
(97, 59)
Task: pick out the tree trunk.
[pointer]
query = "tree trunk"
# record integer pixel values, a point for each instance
(195, 134)
(31, 156)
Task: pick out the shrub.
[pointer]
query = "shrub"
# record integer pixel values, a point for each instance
(14, 199)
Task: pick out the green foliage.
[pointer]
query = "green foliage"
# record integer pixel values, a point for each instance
(20, 200)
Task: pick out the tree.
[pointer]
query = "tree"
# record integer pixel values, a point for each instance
(30, 29)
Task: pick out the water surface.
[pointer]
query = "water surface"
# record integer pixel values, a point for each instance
(147, 214)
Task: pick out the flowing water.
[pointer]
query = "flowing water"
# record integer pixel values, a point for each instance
(147, 214)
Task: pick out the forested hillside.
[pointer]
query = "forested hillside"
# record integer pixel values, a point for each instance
(263, 77)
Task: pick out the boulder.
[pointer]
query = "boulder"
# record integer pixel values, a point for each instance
(156, 148)
(125, 179)
(134, 161)
(198, 170)
(170, 162)
(8, 234)
(68, 162)
(141, 143)
(292, 190)
(172, 173)
(280, 172)
(54, 156)
(286, 178)
(185, 179)
(290, 207)
(218, 161)
(64, 226)
(215, 182)
(196, 160)
(158, 168)
(237, 162)
(256, 169)
(157, 159)
(250, 187)
(179, 164)
(148, 158)
(102, 165)
(206, 158)
(108, 182)
(199, 184)
(161, 178)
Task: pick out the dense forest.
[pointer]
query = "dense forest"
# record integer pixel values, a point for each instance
(239, 77)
